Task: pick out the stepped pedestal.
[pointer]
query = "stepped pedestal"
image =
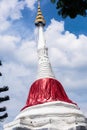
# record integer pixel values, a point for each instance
(55, 115)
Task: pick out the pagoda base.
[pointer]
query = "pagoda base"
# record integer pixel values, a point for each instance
(55, 115)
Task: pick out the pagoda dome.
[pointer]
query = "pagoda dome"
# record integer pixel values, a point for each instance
(46, 90)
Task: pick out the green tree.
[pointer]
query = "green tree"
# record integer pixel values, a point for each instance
(71, 8)
(2, 99)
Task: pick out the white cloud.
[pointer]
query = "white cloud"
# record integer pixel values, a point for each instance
(65, 47)
(4, 25)
(18, 50)
(10, 9)
(26, 53)
(30, 3)
(8, 46)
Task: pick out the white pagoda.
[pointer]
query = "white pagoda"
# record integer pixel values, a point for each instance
(47, 107)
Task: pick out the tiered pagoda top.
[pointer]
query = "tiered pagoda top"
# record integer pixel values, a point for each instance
(39, 18)
(46, 88)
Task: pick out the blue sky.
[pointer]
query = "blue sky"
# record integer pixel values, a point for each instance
(67, 43)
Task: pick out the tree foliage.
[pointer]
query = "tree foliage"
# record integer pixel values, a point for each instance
(71, 8)
(5, 88)
(3, 116)
(2, 99)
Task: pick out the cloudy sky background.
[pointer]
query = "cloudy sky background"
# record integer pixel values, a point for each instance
(67, 43)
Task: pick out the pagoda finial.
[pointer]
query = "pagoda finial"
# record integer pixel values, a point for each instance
(39, 18)
(38, 2)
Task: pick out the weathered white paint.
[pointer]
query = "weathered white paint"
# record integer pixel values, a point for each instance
(44, 66)
(56, 115)
(41, 39)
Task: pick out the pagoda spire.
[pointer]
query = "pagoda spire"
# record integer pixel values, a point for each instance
(44, 66)
(46, 88)
(39, 18)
